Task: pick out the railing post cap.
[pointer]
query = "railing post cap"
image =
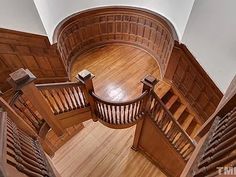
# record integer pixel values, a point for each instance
(85, 75)
(20, 78)
(150, 81)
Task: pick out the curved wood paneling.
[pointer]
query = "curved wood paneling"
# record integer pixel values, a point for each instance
(96, 27)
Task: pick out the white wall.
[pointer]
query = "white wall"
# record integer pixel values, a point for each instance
(20, 15)
(211, 36)
(54, 11)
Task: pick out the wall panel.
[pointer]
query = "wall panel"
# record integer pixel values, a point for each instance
(192, 82)
(24, 50)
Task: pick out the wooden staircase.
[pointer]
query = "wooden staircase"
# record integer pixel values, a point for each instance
(179, 108)
(165, 123)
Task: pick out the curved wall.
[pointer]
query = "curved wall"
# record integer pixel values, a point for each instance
(101, 26)
(54, 11)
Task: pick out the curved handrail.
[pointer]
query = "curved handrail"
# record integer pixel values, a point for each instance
(119, 113)
(181, 141)
(116, 103)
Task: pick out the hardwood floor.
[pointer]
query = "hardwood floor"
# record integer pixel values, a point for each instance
(98, 151)
(118, 70)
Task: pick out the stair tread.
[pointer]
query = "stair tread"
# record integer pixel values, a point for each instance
(171, 101)
(161, 89)
(179, 111)
(187, 121)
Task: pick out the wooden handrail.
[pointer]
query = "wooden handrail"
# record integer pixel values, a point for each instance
(170, 127)
(116, 103)
(57, 85)
(173, 119)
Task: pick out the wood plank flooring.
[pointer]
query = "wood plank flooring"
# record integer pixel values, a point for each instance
(118, 70)
(98, 151)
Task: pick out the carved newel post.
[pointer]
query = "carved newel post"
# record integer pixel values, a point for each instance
(24, 80)
(86, 77)
(149, 83)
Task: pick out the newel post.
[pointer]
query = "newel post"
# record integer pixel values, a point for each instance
(86, 77)
(149, 83)
(24, 80)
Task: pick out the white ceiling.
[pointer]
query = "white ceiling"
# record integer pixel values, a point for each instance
(209, 31)
(211, 37)
(20, 15)
(54, 11)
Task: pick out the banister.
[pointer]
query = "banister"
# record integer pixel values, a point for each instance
(116, 103)
(178, 126)
(58, 85)
(24, 80)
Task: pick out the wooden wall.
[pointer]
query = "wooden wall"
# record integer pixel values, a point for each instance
(95, 27)
(189, 78)
(158, 149)
(24, 50)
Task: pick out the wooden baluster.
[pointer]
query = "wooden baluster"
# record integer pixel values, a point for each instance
(17, 119)
(81, 90)
(136, 110)
(24, 80)
(113, 113)
(76, 98)
(56, 100)
(149, 83)
(63, 99)
(86, 78)
(80, 97)
(102, 111)
(110, 112)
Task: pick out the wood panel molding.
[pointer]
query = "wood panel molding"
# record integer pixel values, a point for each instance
(25, 50)
(190, 79)
(100, 26)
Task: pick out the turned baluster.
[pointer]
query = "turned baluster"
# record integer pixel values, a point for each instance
(149, 83)
(24, 80)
